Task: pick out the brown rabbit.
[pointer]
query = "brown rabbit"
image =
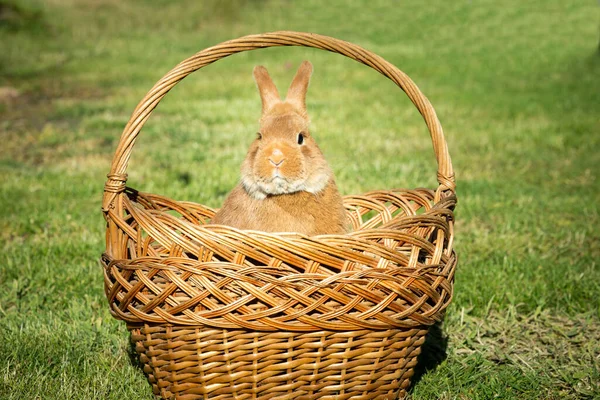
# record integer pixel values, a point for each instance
(286, 184)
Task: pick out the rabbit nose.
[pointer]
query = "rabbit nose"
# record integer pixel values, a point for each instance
(276, 158)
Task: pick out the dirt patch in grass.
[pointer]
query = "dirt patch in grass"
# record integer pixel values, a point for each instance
(32, 132)
(564, 351)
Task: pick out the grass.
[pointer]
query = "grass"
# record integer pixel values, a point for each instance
(515, 85)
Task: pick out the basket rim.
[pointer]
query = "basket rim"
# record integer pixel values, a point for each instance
(413, 291)
(445, 203)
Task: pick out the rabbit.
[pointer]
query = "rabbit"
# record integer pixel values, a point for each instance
(286, 185)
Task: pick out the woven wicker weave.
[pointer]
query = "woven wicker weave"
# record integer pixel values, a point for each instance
(219, 313)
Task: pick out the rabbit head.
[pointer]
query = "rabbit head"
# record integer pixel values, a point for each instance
(284, 158)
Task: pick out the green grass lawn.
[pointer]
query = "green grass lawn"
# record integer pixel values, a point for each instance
(517, 88)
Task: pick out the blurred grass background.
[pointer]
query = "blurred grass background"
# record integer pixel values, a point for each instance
(515, 84)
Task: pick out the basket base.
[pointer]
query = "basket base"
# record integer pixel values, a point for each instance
(219, 364)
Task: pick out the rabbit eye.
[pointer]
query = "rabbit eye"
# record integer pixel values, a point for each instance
(300, 138)
(258, 135)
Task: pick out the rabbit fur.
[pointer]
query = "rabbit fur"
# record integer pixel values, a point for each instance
(286, 185)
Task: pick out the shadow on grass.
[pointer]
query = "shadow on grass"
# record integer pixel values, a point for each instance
(433, 353)
(134, 357)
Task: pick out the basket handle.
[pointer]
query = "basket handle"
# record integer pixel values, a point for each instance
(118, 176)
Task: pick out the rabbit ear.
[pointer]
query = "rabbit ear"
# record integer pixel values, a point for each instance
(297, 92)
(267, 89)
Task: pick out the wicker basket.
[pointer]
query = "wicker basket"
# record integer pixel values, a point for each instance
(219, 313)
